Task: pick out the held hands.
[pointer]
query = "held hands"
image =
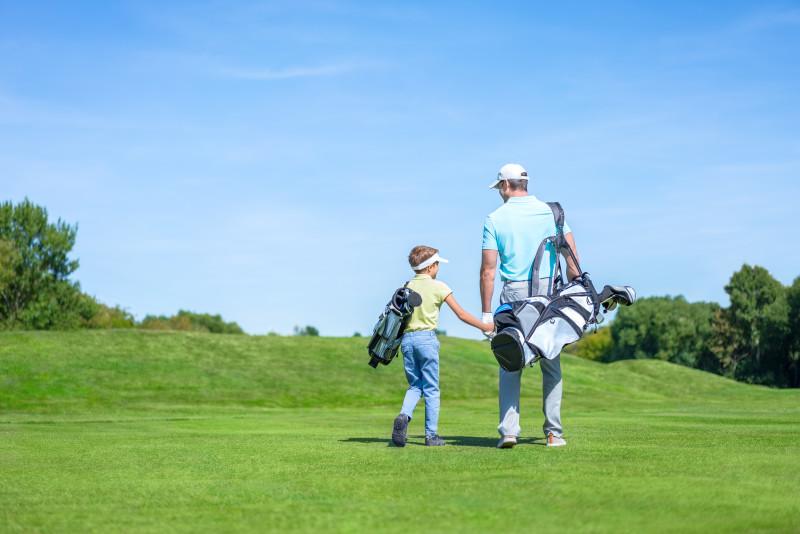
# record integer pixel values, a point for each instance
(488, 319)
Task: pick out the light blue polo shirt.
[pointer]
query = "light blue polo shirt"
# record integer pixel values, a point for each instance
(515, 231)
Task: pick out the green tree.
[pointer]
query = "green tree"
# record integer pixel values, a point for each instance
(8, 260)
(793, 341)
(754, 328)
(306, 331)
(35, 290)
(665, 328)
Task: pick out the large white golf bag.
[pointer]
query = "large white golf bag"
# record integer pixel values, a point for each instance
(541, 326)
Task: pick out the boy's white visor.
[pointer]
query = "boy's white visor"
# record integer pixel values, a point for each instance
(430, 261)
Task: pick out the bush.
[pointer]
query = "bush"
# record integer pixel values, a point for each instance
(108, 317)
(593, 346)
(306, 331)
(191, 322)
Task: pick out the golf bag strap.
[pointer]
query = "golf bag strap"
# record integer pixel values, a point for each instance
(561, 244)
(406, 320)
(533, 277)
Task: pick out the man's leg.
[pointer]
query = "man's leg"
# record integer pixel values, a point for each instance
(551, 395)
(509, 403)
(509, 382)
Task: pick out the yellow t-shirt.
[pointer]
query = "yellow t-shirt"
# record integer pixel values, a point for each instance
(433, 292)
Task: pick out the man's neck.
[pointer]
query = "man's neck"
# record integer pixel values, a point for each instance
(515, 194)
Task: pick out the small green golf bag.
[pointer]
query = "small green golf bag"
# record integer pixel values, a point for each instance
(391, 324)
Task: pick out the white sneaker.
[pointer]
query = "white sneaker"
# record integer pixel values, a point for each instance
(507, 442)
(555, 441)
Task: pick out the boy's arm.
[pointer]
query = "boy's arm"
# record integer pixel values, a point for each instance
(467, 317)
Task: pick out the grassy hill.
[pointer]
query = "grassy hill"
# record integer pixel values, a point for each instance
(154, 431)
(87, 371)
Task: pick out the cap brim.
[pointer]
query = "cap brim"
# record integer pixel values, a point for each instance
(442, 260)
(495, 184)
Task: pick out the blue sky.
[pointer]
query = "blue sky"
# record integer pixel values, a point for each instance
(275, 161)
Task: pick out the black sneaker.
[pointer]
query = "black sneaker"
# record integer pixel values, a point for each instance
(399, 430)
(434, 441)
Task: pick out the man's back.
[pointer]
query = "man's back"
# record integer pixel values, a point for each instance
(515, 230)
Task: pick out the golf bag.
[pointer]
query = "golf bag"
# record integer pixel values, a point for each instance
(541, 326)
(391, 324)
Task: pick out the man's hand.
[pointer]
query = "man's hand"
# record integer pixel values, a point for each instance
(487, 317)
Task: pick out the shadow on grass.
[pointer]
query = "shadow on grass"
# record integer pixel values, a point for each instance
(483, 441)
(459, 441)
(386, 440)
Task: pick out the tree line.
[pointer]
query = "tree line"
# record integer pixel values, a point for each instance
(37, 293)
(755, 339)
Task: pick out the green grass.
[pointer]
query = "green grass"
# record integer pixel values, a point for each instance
(153, 432)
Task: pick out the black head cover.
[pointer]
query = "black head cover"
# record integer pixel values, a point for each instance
(507, 349)
(414, 298)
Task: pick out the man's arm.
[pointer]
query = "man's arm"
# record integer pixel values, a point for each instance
(488, 268)
(572, 268)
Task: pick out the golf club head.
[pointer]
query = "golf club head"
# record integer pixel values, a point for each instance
(610, 296)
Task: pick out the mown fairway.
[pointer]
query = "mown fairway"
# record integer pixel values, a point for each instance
(136, 431)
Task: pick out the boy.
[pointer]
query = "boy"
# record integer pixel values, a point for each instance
(421, 348)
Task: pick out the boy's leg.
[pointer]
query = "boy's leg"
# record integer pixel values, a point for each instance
(552, 389)
(429, 359)
(413, 376)
(509, 403)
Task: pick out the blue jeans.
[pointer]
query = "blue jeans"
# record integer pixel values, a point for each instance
(421, 362)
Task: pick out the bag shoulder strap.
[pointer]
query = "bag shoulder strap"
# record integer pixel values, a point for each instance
(558, 215)
(533, 277)
(559, 243)
(562, 247)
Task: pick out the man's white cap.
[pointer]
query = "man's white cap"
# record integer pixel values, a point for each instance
(430, 261)
(510, 171)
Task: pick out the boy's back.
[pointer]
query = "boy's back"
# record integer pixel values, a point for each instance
(433, 293)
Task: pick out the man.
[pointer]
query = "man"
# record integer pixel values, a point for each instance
(513, 232)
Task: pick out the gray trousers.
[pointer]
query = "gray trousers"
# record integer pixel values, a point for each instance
(509, 383)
